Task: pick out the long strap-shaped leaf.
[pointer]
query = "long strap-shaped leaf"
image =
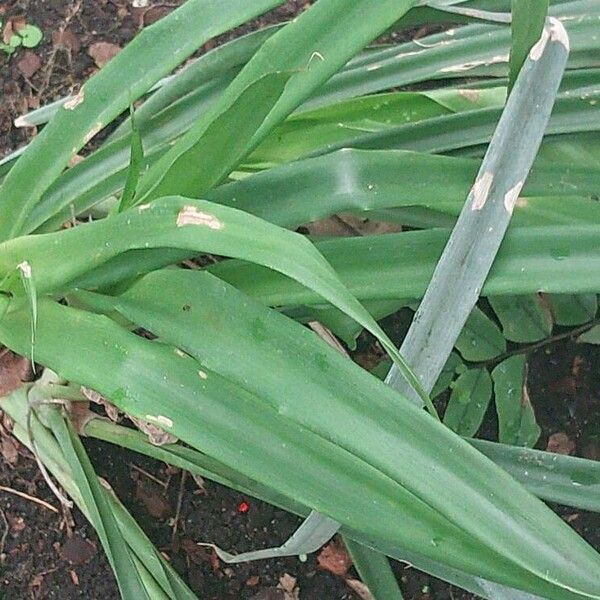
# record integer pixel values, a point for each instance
(315, 45)
(567, 480)
(353, 445)
(120, 556)
(528, 19)
(558, 478)
(197, 225)
(309, 537)
(283, 346)
(356, 180)
(151, 55)
(556, 259)
(158, 576)
(466, 261)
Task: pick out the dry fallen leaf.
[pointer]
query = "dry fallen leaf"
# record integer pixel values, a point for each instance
(66, 40)
(29, 64)
(153, 500)
(77, 551)
(102, 52)
(361, 590)
(156, 435)
(287, 584)
(560, 443)
(14, 370)
(15, 523)
(335, 559)
(12, 27)
(112, 412)
(9, 449)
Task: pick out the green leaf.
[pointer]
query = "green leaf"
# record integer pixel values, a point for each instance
(314, 532)
(201, 78)
(525, 264)
(480, 339)
(454, 365)
(590, 337)
(151, 55)
(523, 318)
(15, 41)
(470, 397)
(28, 283)
(309, 51)
(459, 132)
(94, 498)
(573, 309)
(375, 571)
(196, 225)
(342, 123)
(528, 17)
(558, 478)
(7, 48)
(136, 163)
(31, 36)
(555, 477)
(228, 136)
(150, 560)
(133, 376)
(309, 189)
(516, 419)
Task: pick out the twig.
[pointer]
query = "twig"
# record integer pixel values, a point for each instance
(179, 503)
(4, 533)
(49, 69)
(25, 496)
(541, 344)
(149, 475)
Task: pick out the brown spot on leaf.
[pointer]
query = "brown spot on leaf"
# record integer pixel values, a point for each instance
(73, 102)
(190, 215)
(470, 95)
(481, 190)
(511, 197)
(92, 132)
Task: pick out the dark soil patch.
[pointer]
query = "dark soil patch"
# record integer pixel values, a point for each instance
(45, 555)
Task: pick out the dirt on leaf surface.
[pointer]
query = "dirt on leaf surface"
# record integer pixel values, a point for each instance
(46, 553)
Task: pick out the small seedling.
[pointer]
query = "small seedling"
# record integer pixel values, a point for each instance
(28, 36)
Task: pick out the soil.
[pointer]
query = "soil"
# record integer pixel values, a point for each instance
(45, 553)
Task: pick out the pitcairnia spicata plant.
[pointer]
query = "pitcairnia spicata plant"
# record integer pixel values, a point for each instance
(494, 132)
